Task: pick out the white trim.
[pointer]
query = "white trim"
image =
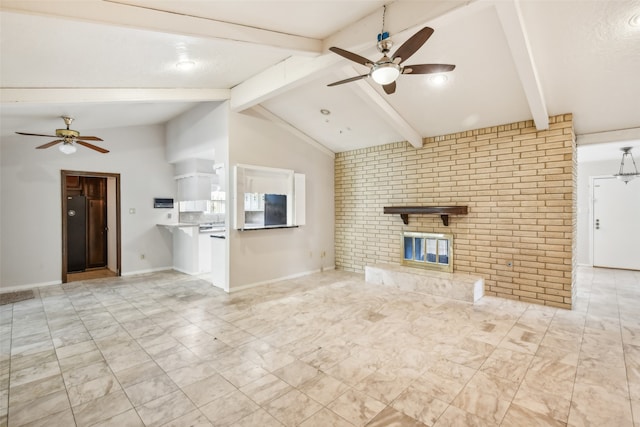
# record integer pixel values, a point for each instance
(630, 134)
(270, 281)
(580, 264)
(149, 270)
(29, 286)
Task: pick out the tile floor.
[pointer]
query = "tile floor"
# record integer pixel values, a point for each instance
(167, 349)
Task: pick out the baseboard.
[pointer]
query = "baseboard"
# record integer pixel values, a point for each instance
(146, 271)
(279, 279)
(30, 286)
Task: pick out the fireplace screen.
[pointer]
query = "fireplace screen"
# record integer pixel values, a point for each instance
(428, 250)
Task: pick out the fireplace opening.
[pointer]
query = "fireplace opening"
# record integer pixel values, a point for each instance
(433, 251)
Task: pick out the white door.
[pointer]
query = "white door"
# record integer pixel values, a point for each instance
(616, 223)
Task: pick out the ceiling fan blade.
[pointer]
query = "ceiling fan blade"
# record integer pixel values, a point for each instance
(90, 138)
(36, 134)
(351, 56)
(414, 43)
(93, 147)
(427, 68)
(350, 79)
(49, 144)
(390, 88)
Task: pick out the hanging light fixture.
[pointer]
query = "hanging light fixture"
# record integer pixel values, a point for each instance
(67, 147)
(627, 176)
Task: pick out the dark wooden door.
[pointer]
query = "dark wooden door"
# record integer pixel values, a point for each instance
(96, 234)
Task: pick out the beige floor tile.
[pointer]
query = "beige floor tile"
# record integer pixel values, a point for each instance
(129, 418)
(324, 388)
(204, 391)
(593, 405)
(391, 417)
(168, 407)
(292, 408)
(101, 409)
(229, 409)
(86, 392)
(150, 389)
(356, 407)
(258, 418)
(38, 408)
(243, 374)
(456, 417)
(419, 405)
(266, 389)
(296, 373)
(191, 419)
(325, 418)
(517, 416)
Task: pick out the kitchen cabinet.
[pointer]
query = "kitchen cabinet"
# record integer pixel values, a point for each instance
(204, 253)
(219, 262)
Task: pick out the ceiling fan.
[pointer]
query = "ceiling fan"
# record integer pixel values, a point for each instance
(69, 138)
(386, 70)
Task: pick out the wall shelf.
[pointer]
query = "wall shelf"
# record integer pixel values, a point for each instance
(443, 211)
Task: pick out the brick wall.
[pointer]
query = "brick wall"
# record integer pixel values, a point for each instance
(518, 183)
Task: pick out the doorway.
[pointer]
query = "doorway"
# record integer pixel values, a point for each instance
(90, 225)
(615, 225)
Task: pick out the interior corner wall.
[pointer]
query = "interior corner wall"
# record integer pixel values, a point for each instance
(30, 223)
(261, 256)
(519, 185)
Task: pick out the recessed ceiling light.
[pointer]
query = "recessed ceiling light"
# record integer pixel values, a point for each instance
(185, 65)
(325, 112)
(634, 21)
(438, 79)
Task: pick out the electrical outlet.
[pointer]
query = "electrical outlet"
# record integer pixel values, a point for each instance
(141, 256)
(168, 216)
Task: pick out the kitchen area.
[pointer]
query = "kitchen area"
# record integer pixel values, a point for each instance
(199, 231)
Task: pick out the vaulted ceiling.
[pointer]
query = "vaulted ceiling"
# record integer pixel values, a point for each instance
(112, 63)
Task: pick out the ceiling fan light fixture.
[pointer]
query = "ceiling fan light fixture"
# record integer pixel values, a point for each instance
(67, 148)
(385, 73)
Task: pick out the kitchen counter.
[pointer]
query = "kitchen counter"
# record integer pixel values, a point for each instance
(178, 225)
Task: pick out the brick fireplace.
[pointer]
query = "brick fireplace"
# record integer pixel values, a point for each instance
(518, 183)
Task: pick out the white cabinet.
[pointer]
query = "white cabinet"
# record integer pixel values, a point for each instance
(204, 253)
(219, 263)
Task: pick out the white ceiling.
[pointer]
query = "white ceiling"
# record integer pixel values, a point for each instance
(113, 64)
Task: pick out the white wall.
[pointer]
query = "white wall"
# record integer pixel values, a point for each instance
(30, 223)
(261, 256)
(586, 170)
(201, 132)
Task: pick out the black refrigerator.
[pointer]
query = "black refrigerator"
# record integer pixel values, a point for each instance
(76, 233)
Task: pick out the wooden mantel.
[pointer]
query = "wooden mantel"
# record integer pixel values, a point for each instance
(443, 211)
